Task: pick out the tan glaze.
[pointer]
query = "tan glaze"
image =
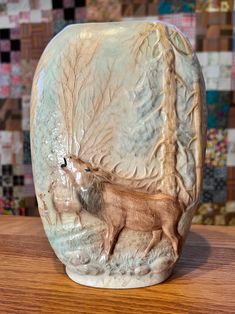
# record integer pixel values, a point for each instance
(120, 207)
(64, 206)
(43, 210)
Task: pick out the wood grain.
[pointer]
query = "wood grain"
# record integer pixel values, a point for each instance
(32, 280)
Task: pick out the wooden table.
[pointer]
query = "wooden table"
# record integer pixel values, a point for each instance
(32, 280)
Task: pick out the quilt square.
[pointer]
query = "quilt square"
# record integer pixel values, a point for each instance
(231, 183)
(28, 68)
(26, 148)
(216, 149)
(12, 182)
(103, 10)
(9, 44)
(15, 44)
(58, 14)
(57, 4)
(134, 8)
(10, 114)
(80, 14)
(11, 147)
(210, 214)
(5, 45)
(69, 14)
(5, 71)
(5, 33)
(218, 105)
(68, 3)
(80, 3)
(5, 57)
(214, 31)
(7, 170)
(25, 112)
(231, 118)
(28, 181)
(214, 6)
(7, 192)
(233, 71)
(231, 149)
(34, 38)
(21, 11)
(216, 68)
(214, 184)
(176, 6)
(16, 80)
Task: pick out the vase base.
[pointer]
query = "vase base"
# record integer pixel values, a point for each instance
(118, 281)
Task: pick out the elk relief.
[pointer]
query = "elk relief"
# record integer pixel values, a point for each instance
(118, 141)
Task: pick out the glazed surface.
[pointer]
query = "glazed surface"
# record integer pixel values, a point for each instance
(118, 140)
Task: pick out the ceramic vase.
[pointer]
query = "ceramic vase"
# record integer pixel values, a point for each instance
(117, 140)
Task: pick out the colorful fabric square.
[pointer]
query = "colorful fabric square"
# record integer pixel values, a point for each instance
(25, 112)
(215, 214)
(12, 190)
(66, 12)
(214, 6)
(230, 213)
(20, 11)
(27, 68)
(214, 31)
(218, 104)
(28, 181)
(12, 206)
(5, 83)
(10, 46)
(12, 181)
(231, 117)
(10, 114)
(231, 148)
(10, 80)
(16, 80)
(11, 147)
(176, 6)
(233, 71)
(231, 183)
(34, 38)
(216, 149)
(103, 10)
(216, 68)
(9, 42)
(214, 184)
(27, 153)
(233, 13)
(137, 8)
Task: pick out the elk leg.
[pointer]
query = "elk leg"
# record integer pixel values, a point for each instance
(59, 218)
(156, 237)
(111, 239)
(115, 224)
(78, 220)
(171, 232)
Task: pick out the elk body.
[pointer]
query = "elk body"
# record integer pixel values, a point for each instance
(62, 206)
(120, 207)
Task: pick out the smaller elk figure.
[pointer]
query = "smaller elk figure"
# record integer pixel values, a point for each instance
(120, 207)
(64, 205)
(44, 212)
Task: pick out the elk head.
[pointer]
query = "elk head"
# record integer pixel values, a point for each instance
(83, 174)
